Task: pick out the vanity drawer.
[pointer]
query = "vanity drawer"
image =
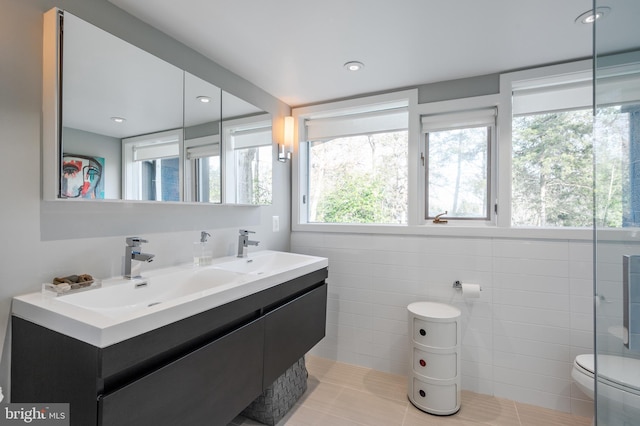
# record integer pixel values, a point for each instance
(208, 386)
(436, 399)
(435, 365)
(435, 334)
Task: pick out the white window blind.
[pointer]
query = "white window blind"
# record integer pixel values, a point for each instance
(156, 151)
(203, 151)
(251, 138)
(561, 97)
(617, 85)
(618, 89)
(459, 120)
(356, 124)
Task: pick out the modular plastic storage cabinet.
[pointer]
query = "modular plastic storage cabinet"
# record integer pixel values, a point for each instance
(434, 353)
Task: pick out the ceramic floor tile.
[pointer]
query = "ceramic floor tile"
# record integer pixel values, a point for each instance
(415, 417)
(318, 365)
(530, 415)
(369, 409)
(384, 385)
(301, 415)
(336, 372)
(486, 409)
(319, 396)
(346, 395)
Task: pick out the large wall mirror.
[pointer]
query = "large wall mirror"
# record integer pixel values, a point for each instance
(127, 125)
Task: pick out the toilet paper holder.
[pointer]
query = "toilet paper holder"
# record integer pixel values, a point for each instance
(458, 285)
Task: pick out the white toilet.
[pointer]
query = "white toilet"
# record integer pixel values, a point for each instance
(618, 383)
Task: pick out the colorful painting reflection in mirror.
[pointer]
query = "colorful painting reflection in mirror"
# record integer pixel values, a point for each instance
(82, 177)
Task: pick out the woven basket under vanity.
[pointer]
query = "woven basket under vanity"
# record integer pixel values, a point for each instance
(276, 400)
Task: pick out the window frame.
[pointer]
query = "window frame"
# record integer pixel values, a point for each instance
(300, 167)
(459, 120)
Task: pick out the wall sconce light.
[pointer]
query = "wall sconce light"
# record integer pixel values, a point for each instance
(284, 149)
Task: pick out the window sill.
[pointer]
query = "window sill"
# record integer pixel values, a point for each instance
(477, 231)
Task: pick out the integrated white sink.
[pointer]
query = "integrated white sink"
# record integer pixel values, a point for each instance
(123, 308)
(119, 295)
(263, 263)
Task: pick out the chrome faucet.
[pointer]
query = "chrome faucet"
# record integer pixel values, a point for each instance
(244, 242)
(132, 252)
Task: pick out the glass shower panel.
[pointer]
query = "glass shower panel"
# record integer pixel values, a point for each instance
(617, 212)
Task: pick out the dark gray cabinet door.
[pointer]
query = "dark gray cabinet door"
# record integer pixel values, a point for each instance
(207, 387)
(291, 330)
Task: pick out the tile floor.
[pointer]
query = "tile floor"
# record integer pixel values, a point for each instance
(340, 394)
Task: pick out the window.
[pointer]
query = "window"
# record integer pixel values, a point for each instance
(552, 153)
(357, 166)
(253, 174)
(617, 138)
(249, 160)
(552, 169)
(615, 158)
(458, 163)
(151, 167)
(203, 169)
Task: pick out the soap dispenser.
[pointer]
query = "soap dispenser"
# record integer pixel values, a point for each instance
(202, 254)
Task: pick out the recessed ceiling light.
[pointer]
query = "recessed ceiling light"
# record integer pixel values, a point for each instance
(589, 17)
(354, 66)
(118, 119)
(204, 99)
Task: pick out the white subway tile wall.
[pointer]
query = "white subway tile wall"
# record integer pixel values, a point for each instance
(519, 339)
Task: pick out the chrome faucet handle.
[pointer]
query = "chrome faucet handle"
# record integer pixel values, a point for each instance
(246, 232)
(203, 236)
(135, 241)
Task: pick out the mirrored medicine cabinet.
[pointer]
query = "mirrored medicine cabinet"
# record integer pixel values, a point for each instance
(122, 124)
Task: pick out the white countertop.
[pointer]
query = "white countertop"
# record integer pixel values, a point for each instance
(103, 329)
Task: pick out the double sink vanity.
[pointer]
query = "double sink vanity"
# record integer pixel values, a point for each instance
(184, 345)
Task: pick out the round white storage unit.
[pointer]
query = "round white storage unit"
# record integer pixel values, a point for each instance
(434, 352)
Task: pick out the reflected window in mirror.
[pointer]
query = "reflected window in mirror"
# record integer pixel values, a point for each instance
(203, 169)
(250, 159)
(202, 109)
(253, 172)
(151, 167)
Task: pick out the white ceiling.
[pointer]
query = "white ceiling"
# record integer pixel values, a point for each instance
(295, 49)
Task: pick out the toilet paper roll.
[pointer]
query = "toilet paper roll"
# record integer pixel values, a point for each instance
(470, 291)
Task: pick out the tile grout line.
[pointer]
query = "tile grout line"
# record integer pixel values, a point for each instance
(342, 387)
(404, 417)
(515, 406)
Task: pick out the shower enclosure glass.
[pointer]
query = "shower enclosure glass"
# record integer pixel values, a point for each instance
(617, 210)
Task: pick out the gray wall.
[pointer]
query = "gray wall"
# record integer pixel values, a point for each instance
(462, 88)
(47, 239)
